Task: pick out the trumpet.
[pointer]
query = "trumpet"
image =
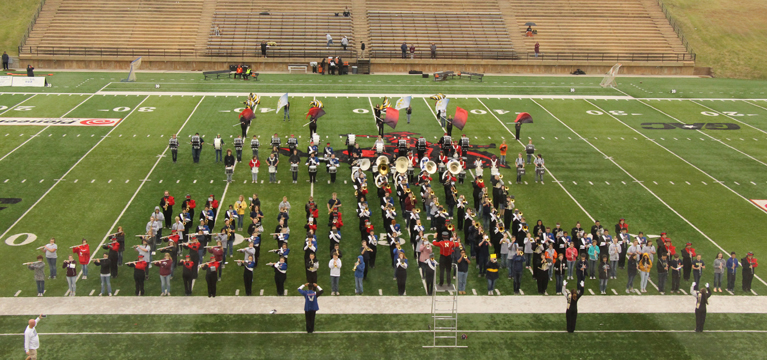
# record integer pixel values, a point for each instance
(506, 188)
(455, 191)
(524, 228)
(450, 227)
(500, 177)
(417, 210)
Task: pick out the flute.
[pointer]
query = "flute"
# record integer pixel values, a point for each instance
(30, 263)
(41, 247)
(212, 247)
(207, 263)
(72, 247)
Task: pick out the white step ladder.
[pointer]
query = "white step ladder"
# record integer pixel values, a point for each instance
(444, 314)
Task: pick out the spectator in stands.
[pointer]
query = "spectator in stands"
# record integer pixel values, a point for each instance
(403, 47)
(529, 31)
(217, 30)
(347, 13)
(412, 51)
(433, 49)
(263, 49)
(330, 40)
(6, 59)
(537, 48)
(362, 47)
(344, 42)
(30, 71)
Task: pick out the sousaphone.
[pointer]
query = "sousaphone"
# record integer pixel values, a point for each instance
(431, 167)
(401, 164)
(454, 167)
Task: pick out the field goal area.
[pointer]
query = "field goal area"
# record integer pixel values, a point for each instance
(609, 80)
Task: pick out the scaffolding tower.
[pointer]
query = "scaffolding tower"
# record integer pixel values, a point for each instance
(444, 314)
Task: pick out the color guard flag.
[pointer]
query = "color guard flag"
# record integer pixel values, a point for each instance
(386, 102)
(459, 120)
(442, 105)
(524, 118)
(392, 117)
(439, 96)
(315, 112)
(403, 103)
(247, 114)
(282, 102)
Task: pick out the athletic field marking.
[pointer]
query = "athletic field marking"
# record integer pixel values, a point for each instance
(547, 169)
(139, 187)
(614, 292)
(68, 171)
(261, 293)
(730, 117)
(223, 196)
(45, 128)
(373, 332)
(91, 293)
(704, 133)
(14, 106)
(117, 291)
(435, 115)
(658, 197)
(17, 293)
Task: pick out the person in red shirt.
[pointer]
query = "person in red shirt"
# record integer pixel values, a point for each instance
(194, 246)
(139, 273)
(113, 246)
(749, 264)
(446, 247)
(165, 266)
(218, 254)
(189, 204)
(254, 165)
(83, 256)
(213, 204)
(166, 203)
(211, 267)
(688, 253)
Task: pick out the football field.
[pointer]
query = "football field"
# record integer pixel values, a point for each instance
(691, 164)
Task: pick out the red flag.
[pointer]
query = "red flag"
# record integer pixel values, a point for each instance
(459, 120)
(524, 118)
(247, 114)
(315, 112)
(392, 117)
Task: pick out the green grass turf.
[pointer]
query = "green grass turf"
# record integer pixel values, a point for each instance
(14, 20)
(125, 157)
(294, 344)
(644, 87)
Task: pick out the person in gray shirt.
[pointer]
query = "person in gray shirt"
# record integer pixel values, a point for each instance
(530, 150)
(50, 257)
(38, 267)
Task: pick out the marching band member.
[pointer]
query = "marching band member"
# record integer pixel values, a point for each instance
(166, 203)
(139, 273)
(120, 237)
(113, 246)
(402, 146)
(446, 246)
(171, 249)
(378, 146)
(416, 237)
(190, 205)
(749, 263)
(461, 216)
(218, 255)
(442, 163)
(393, 234)
(211, 268)
(165, 274)
(247, 274)
(254, 145)
(332, 167)
(146, 251)
(254, 248)
(194, 246)
(379, 120)
(350, 141)
(294, 160)
(312, 265)
(238, 144)
(368, 251)
(478, 167)
(327, 151)
(540, 169)
(188, 274)
(276, 141)
(71, 273)
(335, 237)
(401, 272)
(465, 145)
(445, 143)
(421, 147)
(492, 274)
(312, 148)
(412, 162)
(293, 143)
(218, 145)
(478, 186)
(173, 145)
(335, 272)
(196, 143)
(312, 162)
(254, 165)
(429, 269)
(701, 301)
(272, 161)
(104, 273)
(280, 274)
(310, 244)
(502, 149)
(520, 164)
(83, 256)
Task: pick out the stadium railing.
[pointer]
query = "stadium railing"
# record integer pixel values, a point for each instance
(530, 56)
(31, 25)
(189, 52)
(676, 27)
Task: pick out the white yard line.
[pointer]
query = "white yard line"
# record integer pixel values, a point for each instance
(637, 180)
(14, 106)
(223, 196)
(703, 133)
(729, 117)
(70, 170)
(435, 115)
(547, 169)
(673, 153)
(159, 158)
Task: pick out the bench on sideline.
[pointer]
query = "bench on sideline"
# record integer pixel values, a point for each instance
(297, 67)
(442, 75)
(471, 75)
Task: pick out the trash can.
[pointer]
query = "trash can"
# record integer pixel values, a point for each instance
(354, 70)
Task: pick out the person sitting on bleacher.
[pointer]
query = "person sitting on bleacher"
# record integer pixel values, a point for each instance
(347, 13)
(529, 31)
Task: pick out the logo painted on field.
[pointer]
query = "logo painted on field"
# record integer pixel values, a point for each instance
(58, 121)
(8, 201)
(695, 126)
(762, 204)
(390, 141)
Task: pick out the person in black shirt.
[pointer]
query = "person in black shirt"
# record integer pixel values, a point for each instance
(229, 165)
(701, 298)
(263, 49)
(105, 274)
(572, 305)
(6, 59)
(30, 71)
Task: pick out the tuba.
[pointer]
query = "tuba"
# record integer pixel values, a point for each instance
(383, 169)
(431, 167)
(364, 164)
(401, 164)
(454, 167)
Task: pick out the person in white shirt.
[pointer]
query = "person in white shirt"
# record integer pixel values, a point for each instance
(31, 340)
(330, 40)
(344, 42)
(335, 273)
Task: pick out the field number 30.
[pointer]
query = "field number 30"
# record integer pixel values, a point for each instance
(613, 112)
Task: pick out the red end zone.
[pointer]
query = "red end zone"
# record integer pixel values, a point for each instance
(59, 121)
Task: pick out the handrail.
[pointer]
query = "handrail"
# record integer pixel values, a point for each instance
(31, 25)
(677, 29)
(184, 52)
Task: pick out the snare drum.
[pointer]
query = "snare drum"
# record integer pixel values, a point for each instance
(272, 169)
(333, 169)
(494, 171)
(521, 171)
(312, 168)
(229, 170)
(294, 167)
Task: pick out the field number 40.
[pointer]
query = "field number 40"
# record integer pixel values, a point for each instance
(613, 112)
(141, 109)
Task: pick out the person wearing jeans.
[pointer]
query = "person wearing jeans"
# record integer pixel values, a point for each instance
(359, 273)
(71, 268)
(663, 273)
(645, 265)
(732, 270)
(719, 265)
(38, 267)
(463, 271)
(571, 254)
(165, 273)
(593, 252)
(492, 274)
(604, 274)
(560, 269)
(50, 256)
(518, 267)
(615, 253)
(335, 273)
(105, 273)
(697, 270)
